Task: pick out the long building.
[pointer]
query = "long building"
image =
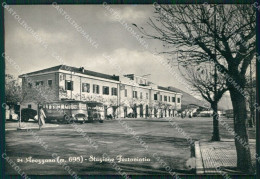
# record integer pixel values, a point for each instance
(122, 96)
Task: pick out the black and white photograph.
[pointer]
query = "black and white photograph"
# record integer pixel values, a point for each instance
(130, 89)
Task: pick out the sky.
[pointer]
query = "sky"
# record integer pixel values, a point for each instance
(62, 38)
(113, 40)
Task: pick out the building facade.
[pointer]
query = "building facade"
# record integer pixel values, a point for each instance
(122, 96)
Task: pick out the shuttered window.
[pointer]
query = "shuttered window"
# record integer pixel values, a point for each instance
(86, 87)
(69, 85)
(114, 91)
(106, 90)
(96, 89)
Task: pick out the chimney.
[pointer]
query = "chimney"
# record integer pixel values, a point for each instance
(82, 69)
(115, 77)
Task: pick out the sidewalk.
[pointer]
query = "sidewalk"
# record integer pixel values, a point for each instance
(149, 118)
(10, 126)
(219, 157)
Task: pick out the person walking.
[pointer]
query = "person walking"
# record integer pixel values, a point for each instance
(42, 116)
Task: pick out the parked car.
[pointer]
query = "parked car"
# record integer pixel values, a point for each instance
(229, 113)
(205, 114)
(27, 114)
(195, 114)
(131, 115)
(95, 111)
(109, 116)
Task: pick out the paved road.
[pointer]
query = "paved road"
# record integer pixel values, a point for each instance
(167, 149)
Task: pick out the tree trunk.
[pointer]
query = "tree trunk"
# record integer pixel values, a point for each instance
(241, 137)
(20, 117)
(215, 134)
(251, 121)
(38, 114)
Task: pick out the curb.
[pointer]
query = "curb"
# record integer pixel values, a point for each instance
(233, 140)
(26, 128)
(198, 161)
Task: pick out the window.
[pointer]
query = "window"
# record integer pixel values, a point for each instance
(86, 87)
(147, 96)
(29, 106)
(134, 94)
(62, 77)
(165, 98)
(106, 90)
(96, 89)
(173, 99)
(50, 83)
(160, 97)
(69, 85)
(178, 100)
(30, 85)
(125, 92)
(37, 83)
(155, 97)
(141, 95)
(169, 99)
(114, 91)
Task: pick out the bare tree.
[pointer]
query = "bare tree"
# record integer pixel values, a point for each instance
(13, 89)
(114, 104)
(202, 78)
(153, 108)
(192, 29)
(162, 106)
(135, 103)
(40, 93)
(13, 92)
(250, 90)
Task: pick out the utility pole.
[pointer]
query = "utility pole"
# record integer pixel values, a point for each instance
(215, 135)
(215, 42)
(250, 122)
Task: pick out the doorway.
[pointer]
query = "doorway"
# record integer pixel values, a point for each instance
(125, 112)
(141, 111)
(146, 111)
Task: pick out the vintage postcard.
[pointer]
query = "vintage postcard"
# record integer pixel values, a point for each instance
(124, 89)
